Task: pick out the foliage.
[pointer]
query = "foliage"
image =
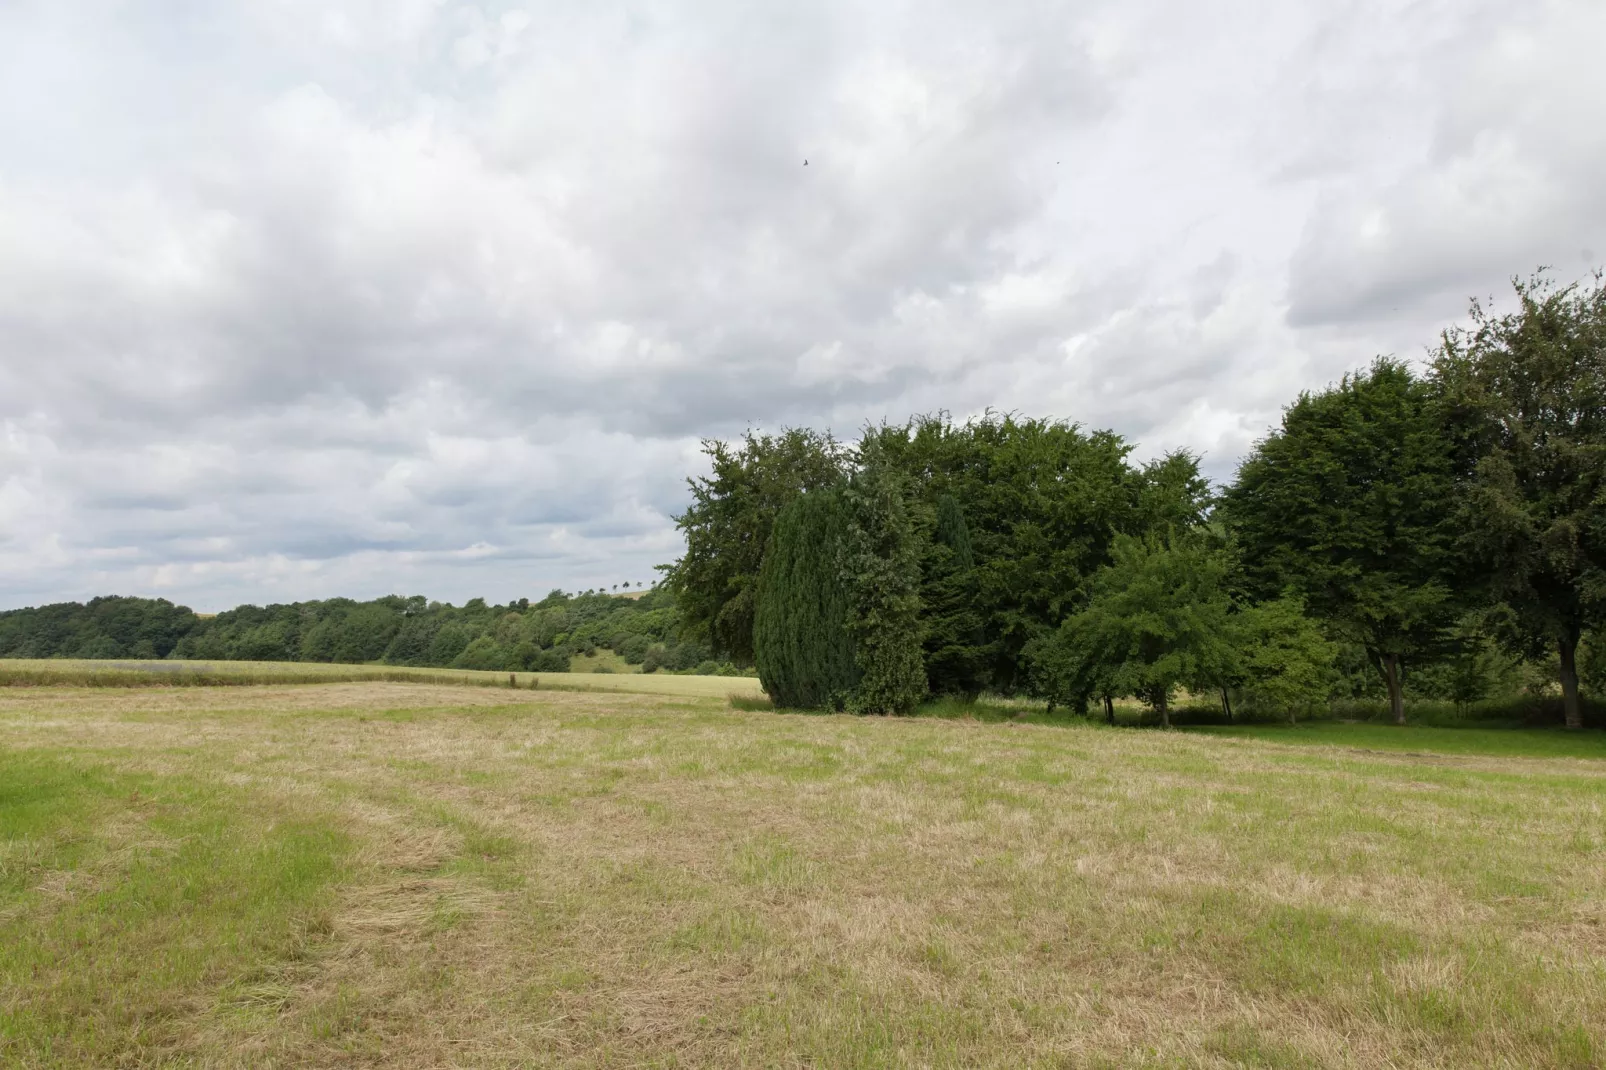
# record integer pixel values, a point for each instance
(1351, 504)
(1528, 394)
(727, 528)
(879, 568)
(1282, 662)
(394, 630)
(955, 645)
(1042, 500)
(804, 651)
(112, 627)
(1592, 663)
(1158, 618)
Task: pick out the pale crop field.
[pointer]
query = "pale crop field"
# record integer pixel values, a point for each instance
(134, 672)
(383, 873)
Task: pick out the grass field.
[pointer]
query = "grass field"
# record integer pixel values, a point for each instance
(89, 673)
(410, 874)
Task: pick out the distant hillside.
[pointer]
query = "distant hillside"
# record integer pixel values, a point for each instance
(642, 627)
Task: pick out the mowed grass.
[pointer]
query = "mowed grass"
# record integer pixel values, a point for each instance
(395, 874)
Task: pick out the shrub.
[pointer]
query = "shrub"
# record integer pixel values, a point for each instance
(800, 637)
(657, 656)
(482, 653)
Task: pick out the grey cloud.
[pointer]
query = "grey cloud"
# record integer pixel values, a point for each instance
(306, 299)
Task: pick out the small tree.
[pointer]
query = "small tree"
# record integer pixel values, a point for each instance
(879, 563)
(1283, 661)
(801, 642)
(1157, 618)
(955, 652)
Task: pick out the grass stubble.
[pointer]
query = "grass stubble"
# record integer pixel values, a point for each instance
(394, 874)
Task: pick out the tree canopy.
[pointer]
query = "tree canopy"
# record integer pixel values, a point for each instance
(1351, 504)
(1528, 393)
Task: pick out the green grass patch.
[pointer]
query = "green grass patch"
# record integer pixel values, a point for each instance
(1428, 739)
(126, 900)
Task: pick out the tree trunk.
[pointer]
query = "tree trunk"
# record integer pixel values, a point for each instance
(1391, 676)
(1109, 709)
(1165, 710)
(1568, 647)
(1226, 704)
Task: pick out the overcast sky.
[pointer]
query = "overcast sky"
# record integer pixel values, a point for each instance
(304, 298)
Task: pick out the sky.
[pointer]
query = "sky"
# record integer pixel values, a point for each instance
(307, 298)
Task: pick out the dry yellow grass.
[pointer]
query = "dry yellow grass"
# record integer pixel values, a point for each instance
(570, 879)
(86, 672)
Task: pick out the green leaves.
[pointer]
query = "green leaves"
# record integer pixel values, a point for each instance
(838, 599)
(728, 524)
(1526, 393)
(804, 651)
(1283, 662)
(879, 564)
(1351, 503)
(1158, 618)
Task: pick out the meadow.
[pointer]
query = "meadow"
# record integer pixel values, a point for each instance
(414, 872)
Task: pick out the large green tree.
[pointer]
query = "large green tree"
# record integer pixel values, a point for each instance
(1042, 500)
(1528, 394)
(1351, 504)
(728, 524)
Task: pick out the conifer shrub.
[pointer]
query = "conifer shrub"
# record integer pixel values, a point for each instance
(801, 643)
(879, 565)
(837, 610)
(955, 643)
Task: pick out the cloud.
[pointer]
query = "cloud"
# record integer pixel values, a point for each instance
(342, 298)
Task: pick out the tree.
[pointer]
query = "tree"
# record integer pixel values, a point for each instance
(1528, 395)
(879, 566)
(804, 652)
(837, 606)
(1351, 504)
(728, 524)
(1157, 618)
(1042, 500)
(1282, 660)
(955, 645)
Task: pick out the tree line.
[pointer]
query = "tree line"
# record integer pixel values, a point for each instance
(1442, 529)
(519, 636)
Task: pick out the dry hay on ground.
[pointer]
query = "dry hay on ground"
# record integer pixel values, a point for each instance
(563, 879)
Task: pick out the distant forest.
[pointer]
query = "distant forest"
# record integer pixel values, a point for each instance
(519, 636)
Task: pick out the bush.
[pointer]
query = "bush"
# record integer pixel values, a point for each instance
(550, 661)
(483, 653)
(800, 624)
(634, 649)
(656, 658)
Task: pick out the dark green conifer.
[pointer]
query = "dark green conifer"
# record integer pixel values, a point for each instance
(804, 653)
(880, 566)
(954, 645)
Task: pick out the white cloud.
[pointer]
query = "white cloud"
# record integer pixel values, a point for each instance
(340, 298)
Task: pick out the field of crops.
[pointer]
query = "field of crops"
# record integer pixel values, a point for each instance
(374, 872)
